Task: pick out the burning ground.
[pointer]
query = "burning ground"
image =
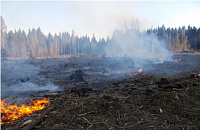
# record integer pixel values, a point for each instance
(116, 93)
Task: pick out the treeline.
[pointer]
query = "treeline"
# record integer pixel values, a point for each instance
(18, 44)
(178, 39)
(36, 44)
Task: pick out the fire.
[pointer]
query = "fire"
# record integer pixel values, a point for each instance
(130, 74)
(12, 112)
(51, 94)
(177, 60)
(140, 70)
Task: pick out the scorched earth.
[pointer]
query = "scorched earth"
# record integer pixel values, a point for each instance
(110, 93)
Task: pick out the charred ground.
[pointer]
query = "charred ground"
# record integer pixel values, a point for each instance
(100, 94)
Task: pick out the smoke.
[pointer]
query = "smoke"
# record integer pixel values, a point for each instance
(27, 88)
(11, 70)
(99, 18)
(133, 43)
(21, 81)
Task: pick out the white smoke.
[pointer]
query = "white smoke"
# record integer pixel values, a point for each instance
(133, 43)
(27, 88)
(20, 78)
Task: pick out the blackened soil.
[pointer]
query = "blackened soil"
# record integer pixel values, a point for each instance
(166, 97)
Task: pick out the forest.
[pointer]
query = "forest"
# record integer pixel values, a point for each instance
(18, 44)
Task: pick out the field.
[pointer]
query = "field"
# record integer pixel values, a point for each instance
(110, 93)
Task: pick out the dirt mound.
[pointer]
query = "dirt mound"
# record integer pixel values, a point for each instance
(78, 76)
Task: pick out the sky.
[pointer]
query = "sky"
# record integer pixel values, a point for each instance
(98, 18)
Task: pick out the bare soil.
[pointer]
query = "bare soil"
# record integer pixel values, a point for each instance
(163, 96)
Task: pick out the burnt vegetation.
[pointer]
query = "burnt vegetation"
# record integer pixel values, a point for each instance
(166, 97)
(102, 87)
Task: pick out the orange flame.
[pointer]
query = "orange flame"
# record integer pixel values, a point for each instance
(177, 60)
(12, 112)
(140, 70)
(51, 94)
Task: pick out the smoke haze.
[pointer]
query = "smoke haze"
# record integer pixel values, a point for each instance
(134, 43)
(20, 80)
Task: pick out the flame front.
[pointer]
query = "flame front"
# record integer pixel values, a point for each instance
(140, 70)
(177, 60)
(12, 112)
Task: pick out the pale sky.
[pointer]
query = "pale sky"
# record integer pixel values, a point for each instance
(100, 18)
